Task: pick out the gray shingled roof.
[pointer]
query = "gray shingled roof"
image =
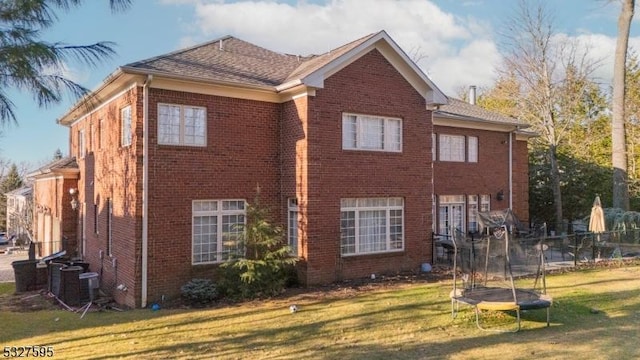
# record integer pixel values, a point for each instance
(458, 108)
(226, 59)
(229, 59)
(68, 162)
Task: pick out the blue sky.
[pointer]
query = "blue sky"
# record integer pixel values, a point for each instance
(454, 40)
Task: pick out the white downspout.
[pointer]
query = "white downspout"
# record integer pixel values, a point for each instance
(511, 142)
(511, 170)
(145, 189)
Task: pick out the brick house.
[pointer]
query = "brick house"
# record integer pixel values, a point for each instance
(171, 148)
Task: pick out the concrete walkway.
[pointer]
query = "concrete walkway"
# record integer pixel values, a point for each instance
(6, 258)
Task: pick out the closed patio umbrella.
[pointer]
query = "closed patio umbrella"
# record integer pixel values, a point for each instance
(596, 221)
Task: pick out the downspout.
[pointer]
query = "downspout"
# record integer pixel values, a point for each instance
(145, 189)
(511, 167)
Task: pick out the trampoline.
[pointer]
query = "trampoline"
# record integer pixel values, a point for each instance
(492, 260)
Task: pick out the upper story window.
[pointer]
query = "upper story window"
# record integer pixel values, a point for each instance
(451, 148)
(182, 125)
(81, 144)
(458, 148)
(472, 149)
(125, 122)
(375, 133)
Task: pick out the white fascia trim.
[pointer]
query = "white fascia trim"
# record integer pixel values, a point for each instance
(102, 104)
(473, 123)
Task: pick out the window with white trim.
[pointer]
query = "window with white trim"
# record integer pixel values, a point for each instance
(182, 125)
(375, 133)
(109, 227)
(371, 225)
(293, 225)
(218, 226)
(485, 203)
(472, 209)
(81, 144)
(451, 213)
(125, 126)
(472, 149)
(451, 148)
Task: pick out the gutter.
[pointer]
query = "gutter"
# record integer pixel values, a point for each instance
(145, 190)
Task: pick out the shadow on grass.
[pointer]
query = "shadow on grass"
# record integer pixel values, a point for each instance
(412, 322)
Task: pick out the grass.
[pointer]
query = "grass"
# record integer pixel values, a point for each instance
(595, 314)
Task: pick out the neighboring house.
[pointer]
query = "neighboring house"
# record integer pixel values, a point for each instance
(339, 144)
(19, 212)
(55, 221)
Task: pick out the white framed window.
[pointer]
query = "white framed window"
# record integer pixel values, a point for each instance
(451, 213)
(218, 226)
(182, 125)
(451, 148)
(485, 203)
(472, 209)
(472, 149)
(371, 225)
(292, 229)
(125, 126)
(374, 133)
(433, 146)
(109, 227)
(101, 131)
(82, 150)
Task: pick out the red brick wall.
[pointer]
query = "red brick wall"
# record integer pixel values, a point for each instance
(110, 171)
(490, 174)
(242, 153)
(372, 86)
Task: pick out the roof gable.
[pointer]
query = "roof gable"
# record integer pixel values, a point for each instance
(316, 70)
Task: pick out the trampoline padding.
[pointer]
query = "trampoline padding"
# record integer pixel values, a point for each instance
(502, 299)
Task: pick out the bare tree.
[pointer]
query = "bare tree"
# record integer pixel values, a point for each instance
(552, 74)
(618, 140)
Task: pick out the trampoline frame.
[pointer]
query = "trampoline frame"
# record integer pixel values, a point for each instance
(483, 298)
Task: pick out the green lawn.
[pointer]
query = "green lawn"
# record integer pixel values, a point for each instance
(595, 315)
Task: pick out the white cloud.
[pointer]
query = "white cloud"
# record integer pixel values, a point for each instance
(419, 27)
(455, 51)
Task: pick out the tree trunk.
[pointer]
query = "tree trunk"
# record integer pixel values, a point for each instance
(555, 187)
(618, 141)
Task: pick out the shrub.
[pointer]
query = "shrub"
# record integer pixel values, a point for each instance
(265, 268)
(199, 291)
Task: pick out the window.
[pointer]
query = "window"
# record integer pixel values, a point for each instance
(451, 213)
(125, 122)
(101, 131)
(95, 218)
(293, 225)
(81, 144)
(363, 132)
(371, 225)
(472, 208)
(218, 226)
(472, 149)
(451, 148)
(181, 125)
(433, 146)
(109, 227)
(485, 202)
